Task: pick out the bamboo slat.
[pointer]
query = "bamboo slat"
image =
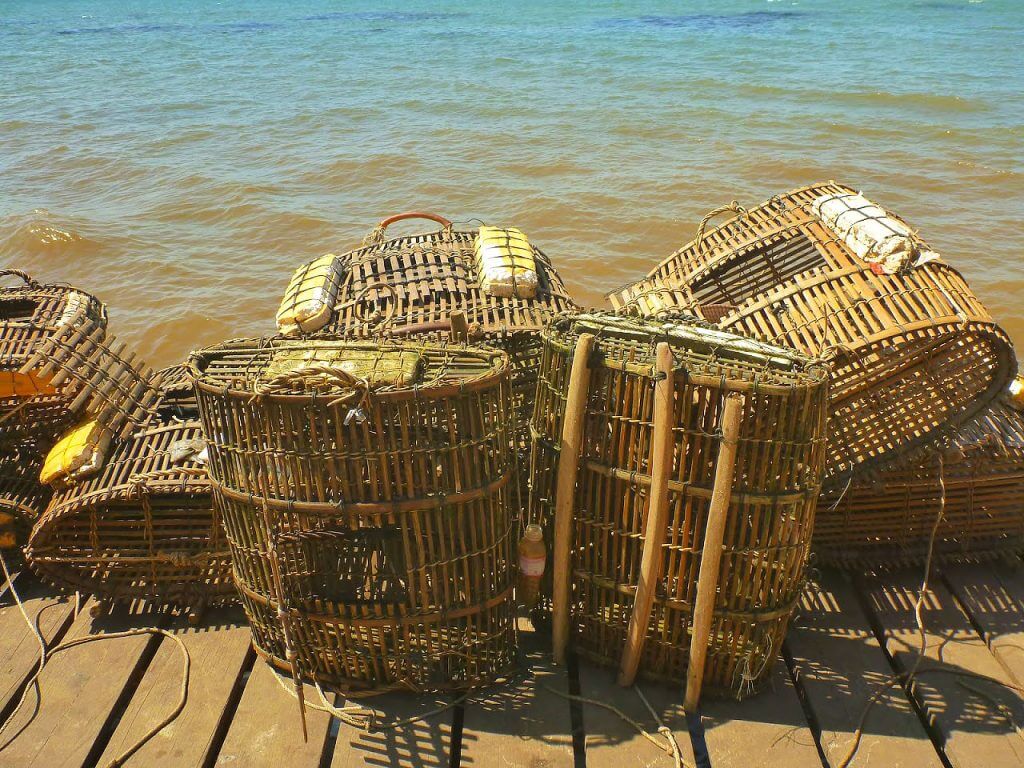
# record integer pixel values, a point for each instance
(915, 354)
(779, 461)
(368, 516)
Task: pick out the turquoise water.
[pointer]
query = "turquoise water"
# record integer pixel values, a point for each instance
(180, 158)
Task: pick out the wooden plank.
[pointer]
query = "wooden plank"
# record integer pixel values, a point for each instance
(266, 730)
(528, 725)
(19, 648)
(768, 730)
(218, 649)
(994, 597)
(840, 667)
(610, 741)
(80, 688)
(426, 743)
(961, 707)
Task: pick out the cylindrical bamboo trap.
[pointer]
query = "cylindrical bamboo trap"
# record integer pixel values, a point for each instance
(822, 269)
(365, 491)
(645, 488)
(506, 288)
(57, 363)
(143, 525)
(887, 517)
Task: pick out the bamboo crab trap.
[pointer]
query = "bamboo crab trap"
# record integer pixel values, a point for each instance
(822, 269)
(143, 524)
(501, 289)
(57, 364)
(678, 467)
(971, 492)
(364, 488)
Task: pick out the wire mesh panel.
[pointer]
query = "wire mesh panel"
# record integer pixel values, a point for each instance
(144, 526)
(971, 493)
(365, 491)
(914, 352)
(57, 362)
(780, 451)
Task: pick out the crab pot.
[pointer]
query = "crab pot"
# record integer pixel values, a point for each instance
(365, 492)
(887, 517)
(22, 497)
(914, 353)
(777, 470)
(144, 525)
(409, 286)
(57, 362)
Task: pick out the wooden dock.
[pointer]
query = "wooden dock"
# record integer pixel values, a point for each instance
(963, 708)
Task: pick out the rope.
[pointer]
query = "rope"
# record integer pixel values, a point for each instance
(363, 718)
(735, 207)
(671, 748)
(29, 280)
(46, 655)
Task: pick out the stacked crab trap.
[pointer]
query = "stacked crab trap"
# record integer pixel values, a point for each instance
(975, 480)
(681, 515)
(914, 353)
(140, 524)
(365, 490)
(500, 288)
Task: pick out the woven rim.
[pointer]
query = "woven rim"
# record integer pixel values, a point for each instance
(442, 380)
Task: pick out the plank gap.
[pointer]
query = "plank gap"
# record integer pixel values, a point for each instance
(579, 734)
(124, 698)
(931, 728)
(813, 723)
(230, 707)
(455, 747)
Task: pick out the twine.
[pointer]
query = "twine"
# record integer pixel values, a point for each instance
(45, 655)
(735, 207)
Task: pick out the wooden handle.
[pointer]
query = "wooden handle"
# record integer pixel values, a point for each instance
(656, 527)
(711, 553)
(565, 491)
(414, 215)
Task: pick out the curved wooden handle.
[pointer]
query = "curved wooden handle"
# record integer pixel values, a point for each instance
(413, 215)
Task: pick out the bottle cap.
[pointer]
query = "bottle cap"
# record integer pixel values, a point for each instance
(534, 532)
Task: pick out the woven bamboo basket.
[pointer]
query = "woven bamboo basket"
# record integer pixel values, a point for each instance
(57, 363)
(641, 500)
(915, 354)
(364, 488)
(410, 286)
(22, 497)
(887, 517)
(144, 526)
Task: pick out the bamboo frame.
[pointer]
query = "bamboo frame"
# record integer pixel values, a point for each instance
(779, 462)
(711, 551)
(656, 526)
(571, 442)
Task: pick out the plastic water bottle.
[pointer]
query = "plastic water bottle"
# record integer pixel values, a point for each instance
(532, 556)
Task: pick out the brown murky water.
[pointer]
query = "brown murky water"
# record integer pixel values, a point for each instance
(181, 165)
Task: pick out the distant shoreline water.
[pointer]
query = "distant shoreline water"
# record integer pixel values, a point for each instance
(180, 159)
